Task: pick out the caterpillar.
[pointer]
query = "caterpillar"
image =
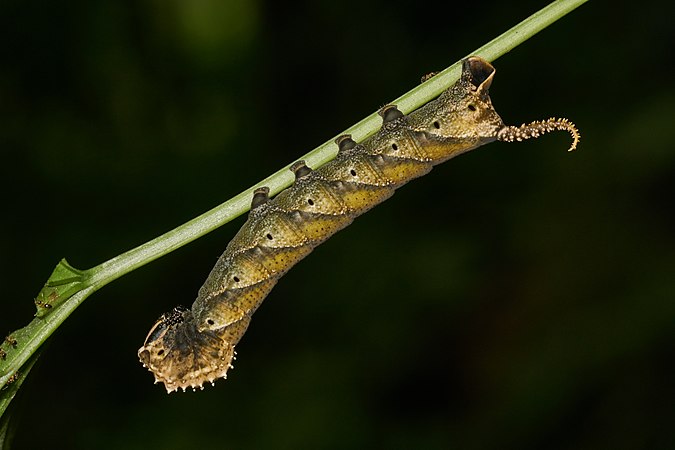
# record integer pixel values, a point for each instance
(188, 347)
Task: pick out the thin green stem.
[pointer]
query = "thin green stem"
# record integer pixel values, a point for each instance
(67, 287)
(283, 178)
(7, 427)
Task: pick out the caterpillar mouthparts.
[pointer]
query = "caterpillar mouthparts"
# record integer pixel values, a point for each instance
(187, 348)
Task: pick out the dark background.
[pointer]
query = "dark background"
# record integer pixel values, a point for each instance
(518, 297)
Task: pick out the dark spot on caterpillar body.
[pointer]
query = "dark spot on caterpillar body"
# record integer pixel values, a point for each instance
(187, 348)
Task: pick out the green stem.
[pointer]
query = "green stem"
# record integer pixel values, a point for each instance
(8, 393)
(68, 287)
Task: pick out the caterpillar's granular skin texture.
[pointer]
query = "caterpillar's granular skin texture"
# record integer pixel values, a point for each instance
(187, 348)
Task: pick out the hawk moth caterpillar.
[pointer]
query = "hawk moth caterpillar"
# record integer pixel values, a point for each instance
(189, 347)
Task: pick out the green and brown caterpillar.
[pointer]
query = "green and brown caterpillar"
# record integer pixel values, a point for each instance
(189, 347)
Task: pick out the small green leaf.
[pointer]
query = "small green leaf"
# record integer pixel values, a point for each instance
(64, 281)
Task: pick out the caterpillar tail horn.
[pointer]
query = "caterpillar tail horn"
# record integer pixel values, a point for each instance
(537, 128)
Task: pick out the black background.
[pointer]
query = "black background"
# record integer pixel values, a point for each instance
(518, 297)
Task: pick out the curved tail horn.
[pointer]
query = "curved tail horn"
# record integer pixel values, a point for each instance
(537, 128)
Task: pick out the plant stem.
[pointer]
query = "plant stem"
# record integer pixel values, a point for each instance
(283, 178)
(68, 287)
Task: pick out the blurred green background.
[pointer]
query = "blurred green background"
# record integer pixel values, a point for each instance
(518, 297)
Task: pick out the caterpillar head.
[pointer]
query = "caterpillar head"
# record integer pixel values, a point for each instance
(182, 357)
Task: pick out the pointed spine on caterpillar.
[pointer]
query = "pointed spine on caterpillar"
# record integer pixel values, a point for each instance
(189, 347)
